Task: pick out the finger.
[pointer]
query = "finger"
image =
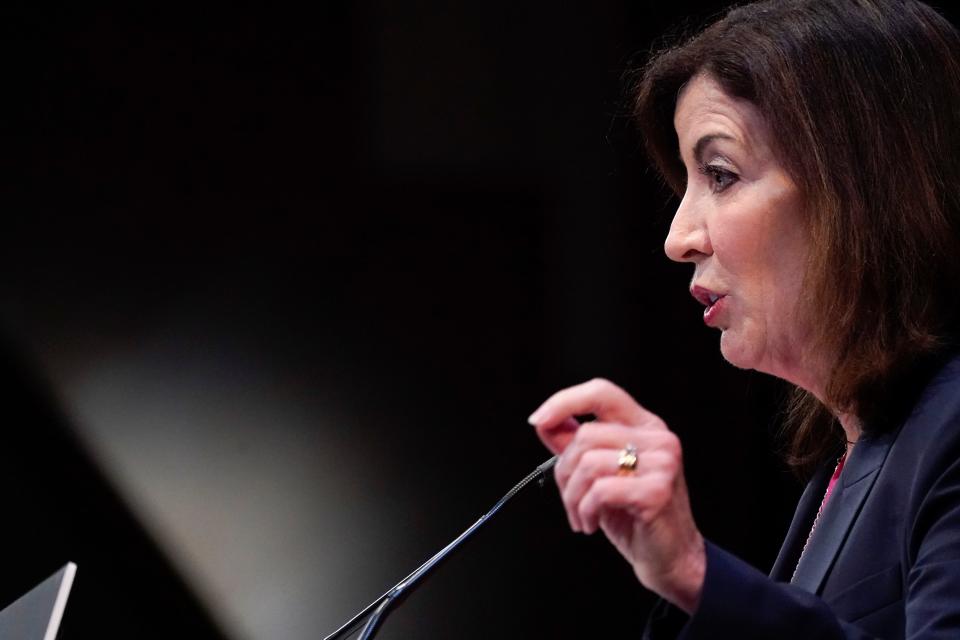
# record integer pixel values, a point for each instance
(601, 435)
(642, 496)
(602, 398)
(558, 436)
(605, 463)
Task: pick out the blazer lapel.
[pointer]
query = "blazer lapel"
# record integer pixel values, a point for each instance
(859, 473)
(799, 529)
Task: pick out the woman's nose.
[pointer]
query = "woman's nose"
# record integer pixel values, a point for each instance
(688, 239)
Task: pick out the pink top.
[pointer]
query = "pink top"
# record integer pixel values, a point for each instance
(826, 496)
(833, 480)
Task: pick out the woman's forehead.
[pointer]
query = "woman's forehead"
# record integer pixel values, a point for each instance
(705, 111)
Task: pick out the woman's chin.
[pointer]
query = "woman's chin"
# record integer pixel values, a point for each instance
(735, 351)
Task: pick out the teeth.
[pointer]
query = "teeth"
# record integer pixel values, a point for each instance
(713, 298)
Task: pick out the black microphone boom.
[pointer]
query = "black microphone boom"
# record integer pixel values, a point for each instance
(378, 609)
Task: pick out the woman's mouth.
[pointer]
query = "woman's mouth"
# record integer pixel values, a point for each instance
(713, 310)
(713, 301)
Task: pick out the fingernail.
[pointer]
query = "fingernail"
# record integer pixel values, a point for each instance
(536, 417)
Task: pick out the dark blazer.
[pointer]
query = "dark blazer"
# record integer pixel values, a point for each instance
(884, 561)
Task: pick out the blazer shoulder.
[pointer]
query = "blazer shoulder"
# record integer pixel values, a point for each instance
(936, 412)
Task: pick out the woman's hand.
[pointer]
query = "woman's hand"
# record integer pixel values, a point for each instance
(645, 513)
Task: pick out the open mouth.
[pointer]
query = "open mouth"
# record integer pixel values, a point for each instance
(705, 296)
(713, 310)
(712, 300)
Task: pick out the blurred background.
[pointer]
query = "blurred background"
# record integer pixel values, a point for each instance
(280, 287)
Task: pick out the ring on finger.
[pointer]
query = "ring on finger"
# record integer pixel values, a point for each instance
(627, 462)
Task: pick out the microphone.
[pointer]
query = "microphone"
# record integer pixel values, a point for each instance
(375, 612)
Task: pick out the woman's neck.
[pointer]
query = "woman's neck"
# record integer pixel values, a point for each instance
(851, 429)
(812, 373)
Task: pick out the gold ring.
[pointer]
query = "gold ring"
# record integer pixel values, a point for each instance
(627, 462)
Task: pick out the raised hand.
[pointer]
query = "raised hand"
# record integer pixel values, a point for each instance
(643, 509)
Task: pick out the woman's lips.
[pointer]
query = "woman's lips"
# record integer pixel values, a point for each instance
(711, 313)
(713, 301)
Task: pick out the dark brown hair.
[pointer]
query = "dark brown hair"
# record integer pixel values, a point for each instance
(863, 99)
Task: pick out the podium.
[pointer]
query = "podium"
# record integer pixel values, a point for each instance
(36, 614)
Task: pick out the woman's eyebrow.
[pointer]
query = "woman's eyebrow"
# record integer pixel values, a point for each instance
(702, 143)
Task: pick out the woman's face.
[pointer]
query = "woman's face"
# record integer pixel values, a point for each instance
(741, 225)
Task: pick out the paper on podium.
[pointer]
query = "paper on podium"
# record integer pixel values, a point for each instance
(36, 614)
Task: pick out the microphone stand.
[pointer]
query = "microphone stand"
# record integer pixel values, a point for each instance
(375, 612)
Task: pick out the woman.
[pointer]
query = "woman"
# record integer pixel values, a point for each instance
(814, 144)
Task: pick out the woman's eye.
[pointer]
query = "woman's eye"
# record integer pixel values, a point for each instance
(719, 178)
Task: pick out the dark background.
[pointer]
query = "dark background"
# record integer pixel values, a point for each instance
(431, 215)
